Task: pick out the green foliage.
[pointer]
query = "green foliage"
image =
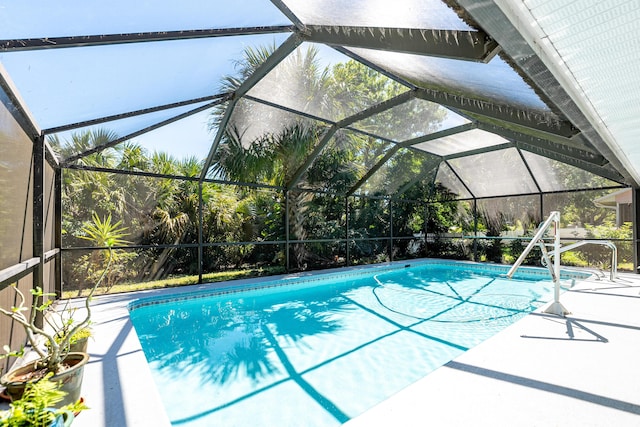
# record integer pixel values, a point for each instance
(36, 407)
(104, 233)
(573, 258)
(608, 230)
(515, 249)
(186, 280)
(493, 250)
(600, 256)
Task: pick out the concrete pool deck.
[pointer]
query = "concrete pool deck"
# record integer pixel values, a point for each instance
(582, 370)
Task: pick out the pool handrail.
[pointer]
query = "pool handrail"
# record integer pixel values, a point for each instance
(608, 243)
(554, 218)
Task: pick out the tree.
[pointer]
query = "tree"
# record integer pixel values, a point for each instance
(274, 155)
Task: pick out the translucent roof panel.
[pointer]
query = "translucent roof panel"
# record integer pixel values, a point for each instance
(432, 14)
(305, 82)
(251, 121)
(461, 142)
(403, 170)
(129, 125)
(63, 86)
(412, 119)
(448, 180)
(344, 161)
(41, 18)
(552, 175)
(497, 173)
(495, 81)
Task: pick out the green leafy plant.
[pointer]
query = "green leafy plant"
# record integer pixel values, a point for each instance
(102, 232)
(36, 407)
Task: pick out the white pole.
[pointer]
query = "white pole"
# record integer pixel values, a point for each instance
(556, 307)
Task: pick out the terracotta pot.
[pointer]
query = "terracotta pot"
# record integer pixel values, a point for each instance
(70, 380)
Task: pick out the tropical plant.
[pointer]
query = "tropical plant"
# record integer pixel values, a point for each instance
(104, 233)
(36, 408)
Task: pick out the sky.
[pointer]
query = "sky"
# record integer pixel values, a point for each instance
(186, 137)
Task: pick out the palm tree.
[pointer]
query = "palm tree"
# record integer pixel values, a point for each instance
(171, 210)
(273, 157)
(102, 192)
(133, 157)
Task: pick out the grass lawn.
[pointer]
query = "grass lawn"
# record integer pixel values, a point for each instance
(173, 282)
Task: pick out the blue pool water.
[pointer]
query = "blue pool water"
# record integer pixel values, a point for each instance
(320, 352)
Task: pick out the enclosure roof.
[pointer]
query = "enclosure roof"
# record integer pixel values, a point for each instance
(487, 99)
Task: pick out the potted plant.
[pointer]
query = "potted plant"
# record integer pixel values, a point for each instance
(65, 366)
(37, 407)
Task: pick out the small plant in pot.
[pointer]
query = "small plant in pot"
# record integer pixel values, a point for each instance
(65, 366)
(37, 407)
(55, 357)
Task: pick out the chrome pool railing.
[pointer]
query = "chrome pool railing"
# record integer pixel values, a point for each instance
(614, 253)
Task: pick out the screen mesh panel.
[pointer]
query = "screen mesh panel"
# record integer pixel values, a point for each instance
(403, 170)
(344, 161)
(412, 119)
(306, 81)
(160, 210)
(49, 199)
(495, 81)
(431, 14)
(461, 142)
(16, 192)
(368, 218)
(503, 172)
(63, 86)
(316, 216)
(253, 121)
(185, 138)
(552, 175)
(450, 183)
(510, 216)
(240, 214)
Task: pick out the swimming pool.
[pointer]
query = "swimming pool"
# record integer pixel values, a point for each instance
(320, 350)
